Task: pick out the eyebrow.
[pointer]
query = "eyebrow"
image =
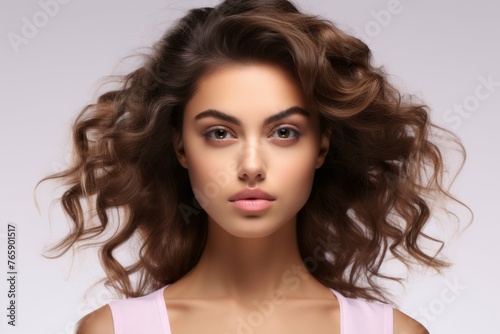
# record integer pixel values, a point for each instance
(231, 119)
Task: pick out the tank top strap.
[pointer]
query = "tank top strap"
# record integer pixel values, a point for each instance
(146, 314)
(358, 316)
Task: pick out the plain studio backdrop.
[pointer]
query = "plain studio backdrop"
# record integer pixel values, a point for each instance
(54, 54)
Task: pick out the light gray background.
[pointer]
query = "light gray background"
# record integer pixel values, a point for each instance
(442, 51)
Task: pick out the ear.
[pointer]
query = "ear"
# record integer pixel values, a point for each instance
(179, 149)
(324, 148)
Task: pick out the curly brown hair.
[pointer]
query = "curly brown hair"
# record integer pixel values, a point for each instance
(371, 198)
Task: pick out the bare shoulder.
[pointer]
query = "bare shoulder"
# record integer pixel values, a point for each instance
(99, 321)
(404, 324)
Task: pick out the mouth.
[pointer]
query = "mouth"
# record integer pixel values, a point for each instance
(251, 194)
(252, 200)
(252, 204)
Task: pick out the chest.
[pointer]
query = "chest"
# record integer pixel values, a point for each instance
(293, 317)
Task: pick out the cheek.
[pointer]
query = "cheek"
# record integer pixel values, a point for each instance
(210, 173)
(295, 174)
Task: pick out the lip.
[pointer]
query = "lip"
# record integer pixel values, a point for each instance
(251, 194)
(251, 200)
(252, 204)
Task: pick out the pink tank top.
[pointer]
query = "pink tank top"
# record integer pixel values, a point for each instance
(148, 315)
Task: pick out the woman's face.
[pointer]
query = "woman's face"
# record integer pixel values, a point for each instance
(247, 126)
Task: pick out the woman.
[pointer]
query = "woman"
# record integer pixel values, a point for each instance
(267, 170)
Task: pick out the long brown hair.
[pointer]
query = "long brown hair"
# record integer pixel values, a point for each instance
(370, 200)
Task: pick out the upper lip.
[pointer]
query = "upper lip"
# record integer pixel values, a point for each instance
(251, 194)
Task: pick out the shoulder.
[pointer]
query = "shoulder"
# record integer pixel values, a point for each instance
(99, 321)
(404, 324)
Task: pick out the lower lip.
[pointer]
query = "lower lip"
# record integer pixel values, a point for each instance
(252, 204)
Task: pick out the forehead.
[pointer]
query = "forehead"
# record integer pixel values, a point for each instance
(250, 88)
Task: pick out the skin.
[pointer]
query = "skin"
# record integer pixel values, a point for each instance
(253, 258)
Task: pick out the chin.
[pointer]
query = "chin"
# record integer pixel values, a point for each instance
(250, 227)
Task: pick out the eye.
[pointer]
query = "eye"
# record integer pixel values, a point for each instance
(219, 134)
(285, 133)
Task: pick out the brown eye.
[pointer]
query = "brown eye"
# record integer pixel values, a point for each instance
(217, 134)
(283, 133)
(286, 132)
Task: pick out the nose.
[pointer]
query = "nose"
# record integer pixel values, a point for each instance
(251, 165)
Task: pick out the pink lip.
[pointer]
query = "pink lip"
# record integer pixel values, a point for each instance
(252, 204)
(254, 194)
(251, 200)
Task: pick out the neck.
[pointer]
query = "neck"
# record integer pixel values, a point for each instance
(246, 269)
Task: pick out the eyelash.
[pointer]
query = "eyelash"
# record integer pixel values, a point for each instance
(207, 134)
